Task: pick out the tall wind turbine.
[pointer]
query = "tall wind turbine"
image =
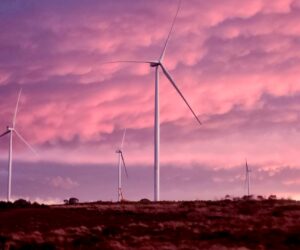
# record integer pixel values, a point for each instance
(121, 162)
(10, 130)
(158, 64)
(247, 177)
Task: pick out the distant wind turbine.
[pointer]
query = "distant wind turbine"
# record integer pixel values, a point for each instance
(121, 162)
(10, 131)
(247, 177)
(159, 64)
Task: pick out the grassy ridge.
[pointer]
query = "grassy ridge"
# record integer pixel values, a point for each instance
(225, 224)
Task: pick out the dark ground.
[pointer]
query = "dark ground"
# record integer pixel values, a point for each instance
(242, 224)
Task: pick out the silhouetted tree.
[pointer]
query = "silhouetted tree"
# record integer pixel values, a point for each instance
(22, 203)
(73, 201)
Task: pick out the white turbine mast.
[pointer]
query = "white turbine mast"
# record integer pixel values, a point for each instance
(247, 177)
(121, 161)
(158, 64)
(10, 130)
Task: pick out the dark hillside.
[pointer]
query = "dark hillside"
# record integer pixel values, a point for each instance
(226, 224)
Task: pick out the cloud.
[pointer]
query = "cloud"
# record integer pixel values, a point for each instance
(292, 182)
(99, 181)
(64, 183)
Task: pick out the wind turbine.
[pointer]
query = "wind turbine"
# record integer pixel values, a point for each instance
(158, 64)
(121, 162)
(247, 177)
(10, 130)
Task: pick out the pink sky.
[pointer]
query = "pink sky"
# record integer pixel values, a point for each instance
(237, 62)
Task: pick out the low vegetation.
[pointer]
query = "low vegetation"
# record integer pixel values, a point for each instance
(20, 203)
(231, 223)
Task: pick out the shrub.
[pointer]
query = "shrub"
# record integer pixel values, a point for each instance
(260, 197)
(272, 197)
(228, 197)
(293, 239)
(247, 197)
(144, 200)
(73, 201)
(4, 204)
(22, 203)
(110, 231)
(3, 240)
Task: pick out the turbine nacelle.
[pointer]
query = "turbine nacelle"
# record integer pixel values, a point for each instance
(119, 151)
(9, 128)
(154, 64)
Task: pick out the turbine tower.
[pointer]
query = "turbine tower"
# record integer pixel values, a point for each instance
(247, 178)
(121, 162)
(10, 130)
(157, 65)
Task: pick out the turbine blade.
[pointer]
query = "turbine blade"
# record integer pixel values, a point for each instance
(124, 164)
(122, 143)
(171, 29)
(128, 61)
(5, 133)
(246, 177)
(25, 142)
(247, 167)
(179, 92)
(246, 180)
(16, 109)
